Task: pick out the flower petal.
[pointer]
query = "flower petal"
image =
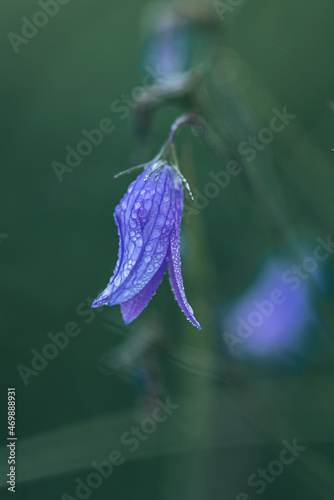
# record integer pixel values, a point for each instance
(174, 265)
(145, 220)
(133, 307)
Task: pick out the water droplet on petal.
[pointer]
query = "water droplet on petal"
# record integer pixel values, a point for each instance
(130, 247)
(156, 233)
(161, 220)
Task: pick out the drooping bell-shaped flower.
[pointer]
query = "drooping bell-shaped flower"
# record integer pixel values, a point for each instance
(149, 221)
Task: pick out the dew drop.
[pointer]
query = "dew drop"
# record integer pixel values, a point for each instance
(130, 248)
(161, 220)
(156, 233)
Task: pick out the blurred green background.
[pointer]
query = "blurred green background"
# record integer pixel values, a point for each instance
(58, 247)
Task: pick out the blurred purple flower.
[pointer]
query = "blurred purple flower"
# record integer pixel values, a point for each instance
(149, 221)
(263, 327)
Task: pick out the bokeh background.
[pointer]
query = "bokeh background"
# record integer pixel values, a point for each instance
(58, 246)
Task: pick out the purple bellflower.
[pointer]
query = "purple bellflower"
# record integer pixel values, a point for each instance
(148, 219)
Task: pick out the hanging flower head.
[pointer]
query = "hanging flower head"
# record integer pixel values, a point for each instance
(148, 219)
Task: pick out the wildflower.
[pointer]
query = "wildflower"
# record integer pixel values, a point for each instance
(149, 221)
